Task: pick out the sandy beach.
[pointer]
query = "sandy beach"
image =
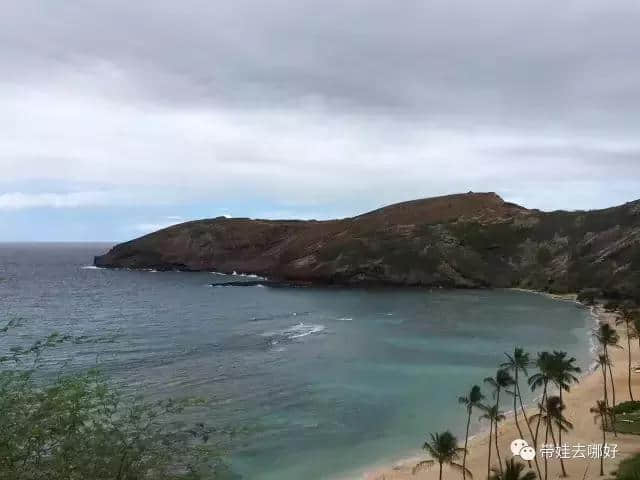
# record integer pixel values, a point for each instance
(585, 432)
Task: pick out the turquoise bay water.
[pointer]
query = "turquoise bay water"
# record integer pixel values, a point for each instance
(328, 381)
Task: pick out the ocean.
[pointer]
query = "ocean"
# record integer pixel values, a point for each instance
(325, 381)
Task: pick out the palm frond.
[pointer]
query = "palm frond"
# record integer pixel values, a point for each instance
(420, 465)
(430, 449)
(460, 468)
(510, 364)
(533, 418)
(512, 471)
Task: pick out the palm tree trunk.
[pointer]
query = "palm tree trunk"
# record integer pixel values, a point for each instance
(544, 397)
(555, 446)
(604, 440)
(440, 471)
(515, 406)
(611, 380)
(606, 399)
(564, 472)
(496, 430)
(497, 449)
(604, 384)
(526, 420)
(466, 442)
(613, 392)
(489, 456)
(516, 392)
(613, 387)
(546, 442)
(629, 358)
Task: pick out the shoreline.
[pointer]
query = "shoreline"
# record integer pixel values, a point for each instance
(581, 397)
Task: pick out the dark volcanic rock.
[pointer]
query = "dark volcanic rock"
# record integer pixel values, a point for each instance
(468, 240)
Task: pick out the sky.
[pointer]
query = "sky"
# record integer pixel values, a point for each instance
(118, 118)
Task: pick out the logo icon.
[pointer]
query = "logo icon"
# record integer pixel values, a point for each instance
(521, 448)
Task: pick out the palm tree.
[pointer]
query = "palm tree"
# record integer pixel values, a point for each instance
(518, 362)
(555, 411)
(471, 401)
(513, 471)
(607, 336)
(444, 450)
(489, 416)
(563, 371)
(502, 380)
(601, 412)
(494, 416)
(542, 378)
(627, 318)
(563, 376)
(552, 415)
(603, 362)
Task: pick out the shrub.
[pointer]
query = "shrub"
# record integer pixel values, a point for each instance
(588, 296)
(79, 427)
(611, 306)
(543, 256)
(627, 407)
(629, 469)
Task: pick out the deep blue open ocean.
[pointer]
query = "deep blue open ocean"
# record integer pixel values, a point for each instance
(326, 381)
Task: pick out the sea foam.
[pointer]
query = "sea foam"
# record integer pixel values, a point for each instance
(242, 275)
(294, 332)
(302, 330)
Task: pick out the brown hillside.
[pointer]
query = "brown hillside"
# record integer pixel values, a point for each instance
(465, 240)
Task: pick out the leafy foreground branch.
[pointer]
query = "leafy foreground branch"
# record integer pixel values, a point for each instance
(79, 427)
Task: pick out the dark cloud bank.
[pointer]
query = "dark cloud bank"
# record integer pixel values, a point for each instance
(312, 104)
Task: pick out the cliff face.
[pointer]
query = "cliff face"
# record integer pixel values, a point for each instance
(467, 240)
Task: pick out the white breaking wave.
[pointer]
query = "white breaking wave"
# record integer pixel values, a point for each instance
(302, 330)
(248, 275)
(299, 330)
(345, 319)
(243, 275)
(91, 267)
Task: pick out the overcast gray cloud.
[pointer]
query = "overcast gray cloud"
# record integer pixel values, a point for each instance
(310, 104)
